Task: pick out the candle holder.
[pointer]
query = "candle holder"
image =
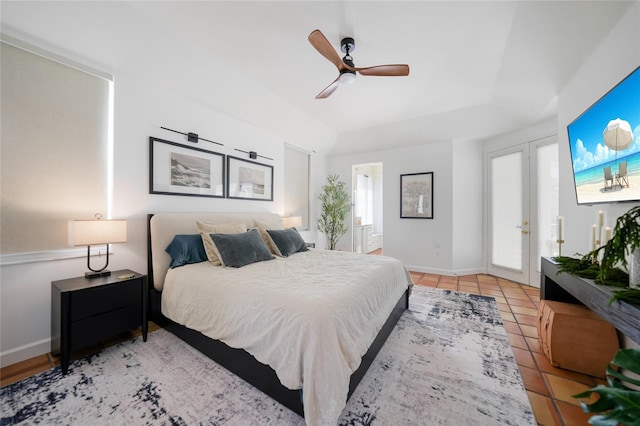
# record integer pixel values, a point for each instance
(560, 242)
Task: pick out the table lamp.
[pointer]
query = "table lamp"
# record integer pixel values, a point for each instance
(97, 231)
(292, 221)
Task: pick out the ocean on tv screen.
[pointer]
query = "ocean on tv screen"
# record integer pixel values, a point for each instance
(605, 146)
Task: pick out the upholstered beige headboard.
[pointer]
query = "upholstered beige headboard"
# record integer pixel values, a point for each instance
(164, 226)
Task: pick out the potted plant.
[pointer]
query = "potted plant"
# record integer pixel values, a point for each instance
(618, 403)
(336, 205)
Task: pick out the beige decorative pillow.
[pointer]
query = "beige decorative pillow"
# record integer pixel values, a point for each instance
(273, 247)
(275, 225)
(217, 228)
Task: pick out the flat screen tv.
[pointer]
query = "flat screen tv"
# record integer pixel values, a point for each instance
(605, 146)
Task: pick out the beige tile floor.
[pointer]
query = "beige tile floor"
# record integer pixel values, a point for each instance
(549, 388)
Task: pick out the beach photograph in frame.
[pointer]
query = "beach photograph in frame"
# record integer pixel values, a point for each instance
(605, 146)
(416, 196)
(249, 180)
(177, 169)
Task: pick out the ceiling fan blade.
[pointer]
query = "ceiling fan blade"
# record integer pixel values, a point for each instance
(395, 70)
(329, 89)
(322, 45)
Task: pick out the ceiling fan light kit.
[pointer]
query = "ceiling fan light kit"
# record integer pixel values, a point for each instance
(345, 65)
(347, 77)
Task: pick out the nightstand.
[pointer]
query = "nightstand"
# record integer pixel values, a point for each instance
(85, 311)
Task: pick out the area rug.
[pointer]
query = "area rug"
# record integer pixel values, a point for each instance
(447, 362)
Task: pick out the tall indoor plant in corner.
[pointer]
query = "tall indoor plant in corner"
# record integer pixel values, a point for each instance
(335, 208)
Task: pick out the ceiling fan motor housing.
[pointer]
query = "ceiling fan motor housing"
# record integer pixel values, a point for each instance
(347, 45)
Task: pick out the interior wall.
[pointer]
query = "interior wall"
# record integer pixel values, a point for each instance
(146, 99)
(595, 78)
(468, 215)
(426, 245)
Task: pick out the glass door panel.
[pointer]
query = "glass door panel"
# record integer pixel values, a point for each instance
(547, 190)
(508, 214)
(506, 207)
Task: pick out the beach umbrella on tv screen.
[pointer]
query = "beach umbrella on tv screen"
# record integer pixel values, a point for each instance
(618, 135)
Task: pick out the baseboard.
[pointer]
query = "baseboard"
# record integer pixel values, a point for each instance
(471, 271)
(446, 272)
(25, 352)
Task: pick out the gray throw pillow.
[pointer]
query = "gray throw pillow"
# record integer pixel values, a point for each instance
(288, 241)
(237, 250)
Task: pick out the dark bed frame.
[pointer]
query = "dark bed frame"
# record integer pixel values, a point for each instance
(243, 364)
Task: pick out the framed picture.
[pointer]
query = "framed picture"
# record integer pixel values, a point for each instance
(416, 196)
(249, 180)
(177, 169)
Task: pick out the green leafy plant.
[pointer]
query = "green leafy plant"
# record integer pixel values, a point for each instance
(625, 240)
(585, 267)
(619, 402)
(336, 205)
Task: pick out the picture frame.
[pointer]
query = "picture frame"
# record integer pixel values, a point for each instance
(249, 180)
(176, 169)
(416, 196)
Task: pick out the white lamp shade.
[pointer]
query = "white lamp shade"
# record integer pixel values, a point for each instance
(292, 221)
(92, 232)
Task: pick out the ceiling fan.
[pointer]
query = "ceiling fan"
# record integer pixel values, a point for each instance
(345, 65)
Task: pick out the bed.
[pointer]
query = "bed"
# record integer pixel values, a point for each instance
(302, 328)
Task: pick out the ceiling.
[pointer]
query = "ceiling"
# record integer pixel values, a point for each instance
(478, 68)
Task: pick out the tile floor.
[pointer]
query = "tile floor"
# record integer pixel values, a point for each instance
(549, 388)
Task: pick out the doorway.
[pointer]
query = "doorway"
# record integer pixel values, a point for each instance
(367, 208)
(523, 189)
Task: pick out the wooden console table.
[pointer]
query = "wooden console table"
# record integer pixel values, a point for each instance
(568, 288)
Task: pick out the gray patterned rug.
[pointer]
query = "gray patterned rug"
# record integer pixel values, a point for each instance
(447, 362)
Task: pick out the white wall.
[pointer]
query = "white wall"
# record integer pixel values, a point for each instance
(521, 136)
(149, 95)
(427, 245)
(467, 209)
(595, 78)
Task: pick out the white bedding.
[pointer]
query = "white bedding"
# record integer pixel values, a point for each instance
(311, 316)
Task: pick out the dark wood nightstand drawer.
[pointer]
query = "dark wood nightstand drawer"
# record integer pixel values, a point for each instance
(97, 300)
(93, 329)
(86, 311)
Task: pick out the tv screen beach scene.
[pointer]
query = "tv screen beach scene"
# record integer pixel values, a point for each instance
(605, 146)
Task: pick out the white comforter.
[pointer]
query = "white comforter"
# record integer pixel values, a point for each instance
(310, 316)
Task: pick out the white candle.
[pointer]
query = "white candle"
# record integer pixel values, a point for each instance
(560, 228)
(593, 237)
(607, 234)
(600, 219)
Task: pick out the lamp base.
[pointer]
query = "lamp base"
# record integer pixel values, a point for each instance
(91, 275)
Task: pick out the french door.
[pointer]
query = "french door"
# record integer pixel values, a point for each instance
(523, 209)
